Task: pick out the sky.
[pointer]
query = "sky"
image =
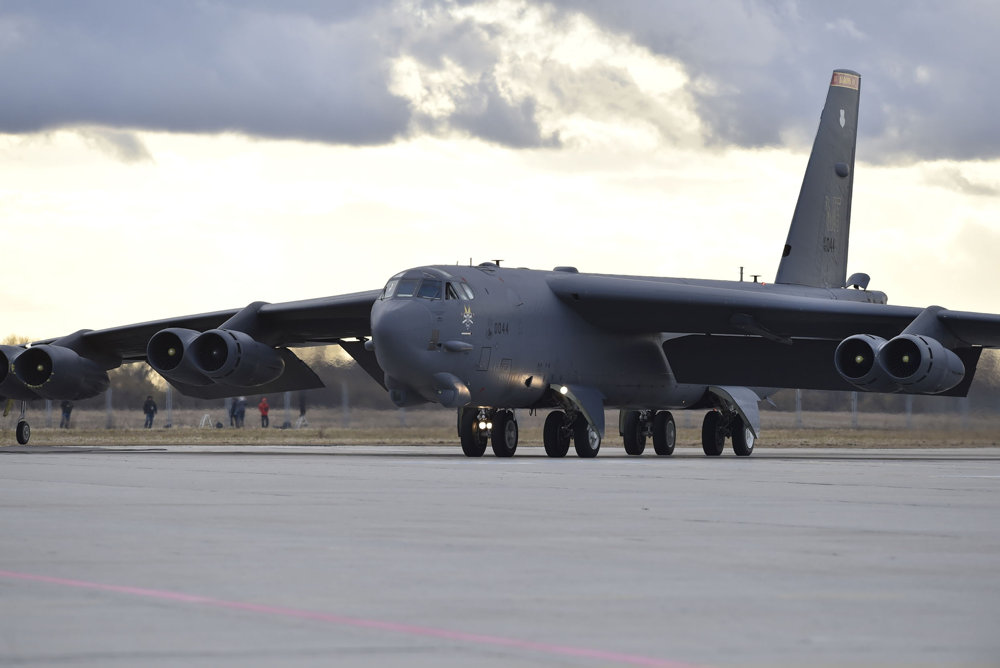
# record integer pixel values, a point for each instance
(160, 159)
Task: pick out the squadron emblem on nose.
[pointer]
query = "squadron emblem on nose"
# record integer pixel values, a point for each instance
(467, 320)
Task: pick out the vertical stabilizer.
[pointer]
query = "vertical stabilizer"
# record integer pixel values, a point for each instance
(816, 250)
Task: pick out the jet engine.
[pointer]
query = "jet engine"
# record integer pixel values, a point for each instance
(856, 360)
(10, 386)
(235, 358)
(910, 363)
(168, 352)
(56, 372)
(921, 364)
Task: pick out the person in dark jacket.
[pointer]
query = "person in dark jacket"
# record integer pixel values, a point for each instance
(67, 408)
(149, 408)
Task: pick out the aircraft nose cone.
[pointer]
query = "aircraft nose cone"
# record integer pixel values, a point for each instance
(401, 331)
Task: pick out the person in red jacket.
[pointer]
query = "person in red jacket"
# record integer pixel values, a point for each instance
(263, 407)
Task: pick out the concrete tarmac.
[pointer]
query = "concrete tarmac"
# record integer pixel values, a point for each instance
(418, 556)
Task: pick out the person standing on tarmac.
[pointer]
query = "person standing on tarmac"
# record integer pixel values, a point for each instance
(67, 409)
(263, 407)
(241, 411)
(149, 408)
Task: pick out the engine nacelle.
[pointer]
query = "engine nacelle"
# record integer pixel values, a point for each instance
(856, 360)
(169, 353)
(10, 386)
(56, 372)
(921, 364)
(234, 358)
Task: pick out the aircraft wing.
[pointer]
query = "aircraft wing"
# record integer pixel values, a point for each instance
(296, 323)
(630, 305)
(254, 354)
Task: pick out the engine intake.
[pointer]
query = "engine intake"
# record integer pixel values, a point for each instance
(234, 358)
(10, 386)
(168, 352)
(56, 372)
(856, 360)
(909, 363)
(921, 364)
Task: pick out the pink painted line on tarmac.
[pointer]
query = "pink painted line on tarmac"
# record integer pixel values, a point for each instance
(340, 620)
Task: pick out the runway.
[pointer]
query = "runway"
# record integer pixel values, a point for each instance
(418, 556)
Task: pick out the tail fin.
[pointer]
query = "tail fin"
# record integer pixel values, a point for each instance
(816, 250)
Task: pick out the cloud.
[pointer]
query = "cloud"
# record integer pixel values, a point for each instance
(953, 178)
(752, 72)
(201, 67)
(121, 145)
(757, 68)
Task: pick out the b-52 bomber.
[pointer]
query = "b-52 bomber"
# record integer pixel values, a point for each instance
(487, 340)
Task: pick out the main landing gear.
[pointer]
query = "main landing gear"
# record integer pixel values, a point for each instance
(637, 426)
(497, 427)
(562, 427)
(718, 426)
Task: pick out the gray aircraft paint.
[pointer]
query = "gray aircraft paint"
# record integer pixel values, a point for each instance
(815, 253)
(487, 339)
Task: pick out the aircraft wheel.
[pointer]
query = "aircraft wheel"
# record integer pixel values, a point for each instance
(504, 438)
(664, 433)
(473, 441)
(635, 433)
(554, 435)
(743, 439)
(586, 440)
(23, 432)
(713, 434)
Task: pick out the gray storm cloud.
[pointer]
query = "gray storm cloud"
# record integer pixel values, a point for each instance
(927, 68)
(323, 71)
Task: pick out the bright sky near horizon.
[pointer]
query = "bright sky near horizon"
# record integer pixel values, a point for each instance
(158, 159)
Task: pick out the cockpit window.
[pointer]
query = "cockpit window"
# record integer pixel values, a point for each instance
(426, 286)
(430, 289)
(407, 287)
(390, 287)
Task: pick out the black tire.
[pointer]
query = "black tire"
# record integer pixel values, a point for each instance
(504, 438)
(743, 439)
(473, 442)
(635, 433)
(23, 432)
(664, 433)
(586, 441)
(554, 436)
(713, 434)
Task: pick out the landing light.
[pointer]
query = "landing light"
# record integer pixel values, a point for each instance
(482, 425)
(563, 390)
